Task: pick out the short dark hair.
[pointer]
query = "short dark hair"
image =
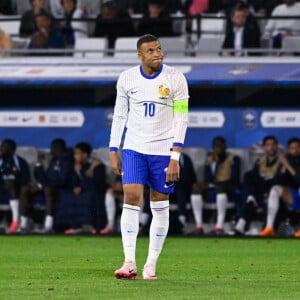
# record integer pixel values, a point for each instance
(62, 2)
(240, 6)
(147, 38)
(59, 143)
(10, 143)
(111, 5)
(44, 14)
(293, 140)
(84, 147)
(219, 140)
(269, 137)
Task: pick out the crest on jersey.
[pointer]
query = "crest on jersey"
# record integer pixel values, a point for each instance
(164, 92)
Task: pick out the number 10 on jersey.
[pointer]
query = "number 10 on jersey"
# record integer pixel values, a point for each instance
(149, 109)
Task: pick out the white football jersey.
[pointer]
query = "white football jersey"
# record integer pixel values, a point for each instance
(145, 105)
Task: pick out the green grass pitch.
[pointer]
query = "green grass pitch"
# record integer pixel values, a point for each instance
(58, 267)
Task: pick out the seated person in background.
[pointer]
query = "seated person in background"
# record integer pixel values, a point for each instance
(88, 180)
(157, 21)
(242, 32)
(48, 35)
(14, 179)
(112, 23)
(280, 28)
(286, 188)
(257, 184)
(5, 43)
(221, 182)
(28, 21)
(183, 187)
(50, 181)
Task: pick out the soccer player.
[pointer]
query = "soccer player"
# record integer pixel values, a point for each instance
(14, 180)
(257, 184)
(287, 187)
(152, 102)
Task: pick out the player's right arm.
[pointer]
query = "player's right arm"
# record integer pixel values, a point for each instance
(120, 115)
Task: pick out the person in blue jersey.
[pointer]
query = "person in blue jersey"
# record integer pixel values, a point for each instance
(152, 102)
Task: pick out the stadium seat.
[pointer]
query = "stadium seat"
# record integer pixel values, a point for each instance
(212, 25)
(30, 154)
(173, 46)
(291, 44)
(90, 47)
(210, 44)
(10, 27)
(179, 23)
(125, 47)
(244, 155)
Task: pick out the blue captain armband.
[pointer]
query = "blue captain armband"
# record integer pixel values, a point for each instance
(113, 149)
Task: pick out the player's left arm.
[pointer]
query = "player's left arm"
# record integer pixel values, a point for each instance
(180, 110)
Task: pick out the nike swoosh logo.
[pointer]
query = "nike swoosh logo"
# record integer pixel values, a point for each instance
(133, 92)
(166, 186)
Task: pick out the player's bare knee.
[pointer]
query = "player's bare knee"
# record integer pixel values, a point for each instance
(156, 196)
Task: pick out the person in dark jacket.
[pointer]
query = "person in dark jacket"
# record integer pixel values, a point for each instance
(287, 187)
(88, 182)
(47, 36)
(242, 32)
(28, 24)
(157, 21)
(221, 184)
(52, 180)
(14, 179)
(113, 23)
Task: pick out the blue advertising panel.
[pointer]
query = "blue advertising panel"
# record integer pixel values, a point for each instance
(241, 127)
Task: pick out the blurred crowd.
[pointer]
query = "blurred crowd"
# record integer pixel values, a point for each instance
(71, 191)
(57, 24)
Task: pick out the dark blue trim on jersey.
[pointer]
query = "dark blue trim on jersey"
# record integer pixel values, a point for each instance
(178, 144)
(153, 76)
(113, 149)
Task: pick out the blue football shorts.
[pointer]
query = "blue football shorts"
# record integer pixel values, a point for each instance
(138, 168)
(296, 199)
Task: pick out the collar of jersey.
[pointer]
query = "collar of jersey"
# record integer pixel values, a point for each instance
(153, 76)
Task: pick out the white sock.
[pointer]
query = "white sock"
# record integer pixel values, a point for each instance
(158, 229)
(14, 206)
(48, 222)
(23, 222)
(273, 204)
(240, 226)
(197, 206)
(129, 229)
(221, 209)
(110, 207)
